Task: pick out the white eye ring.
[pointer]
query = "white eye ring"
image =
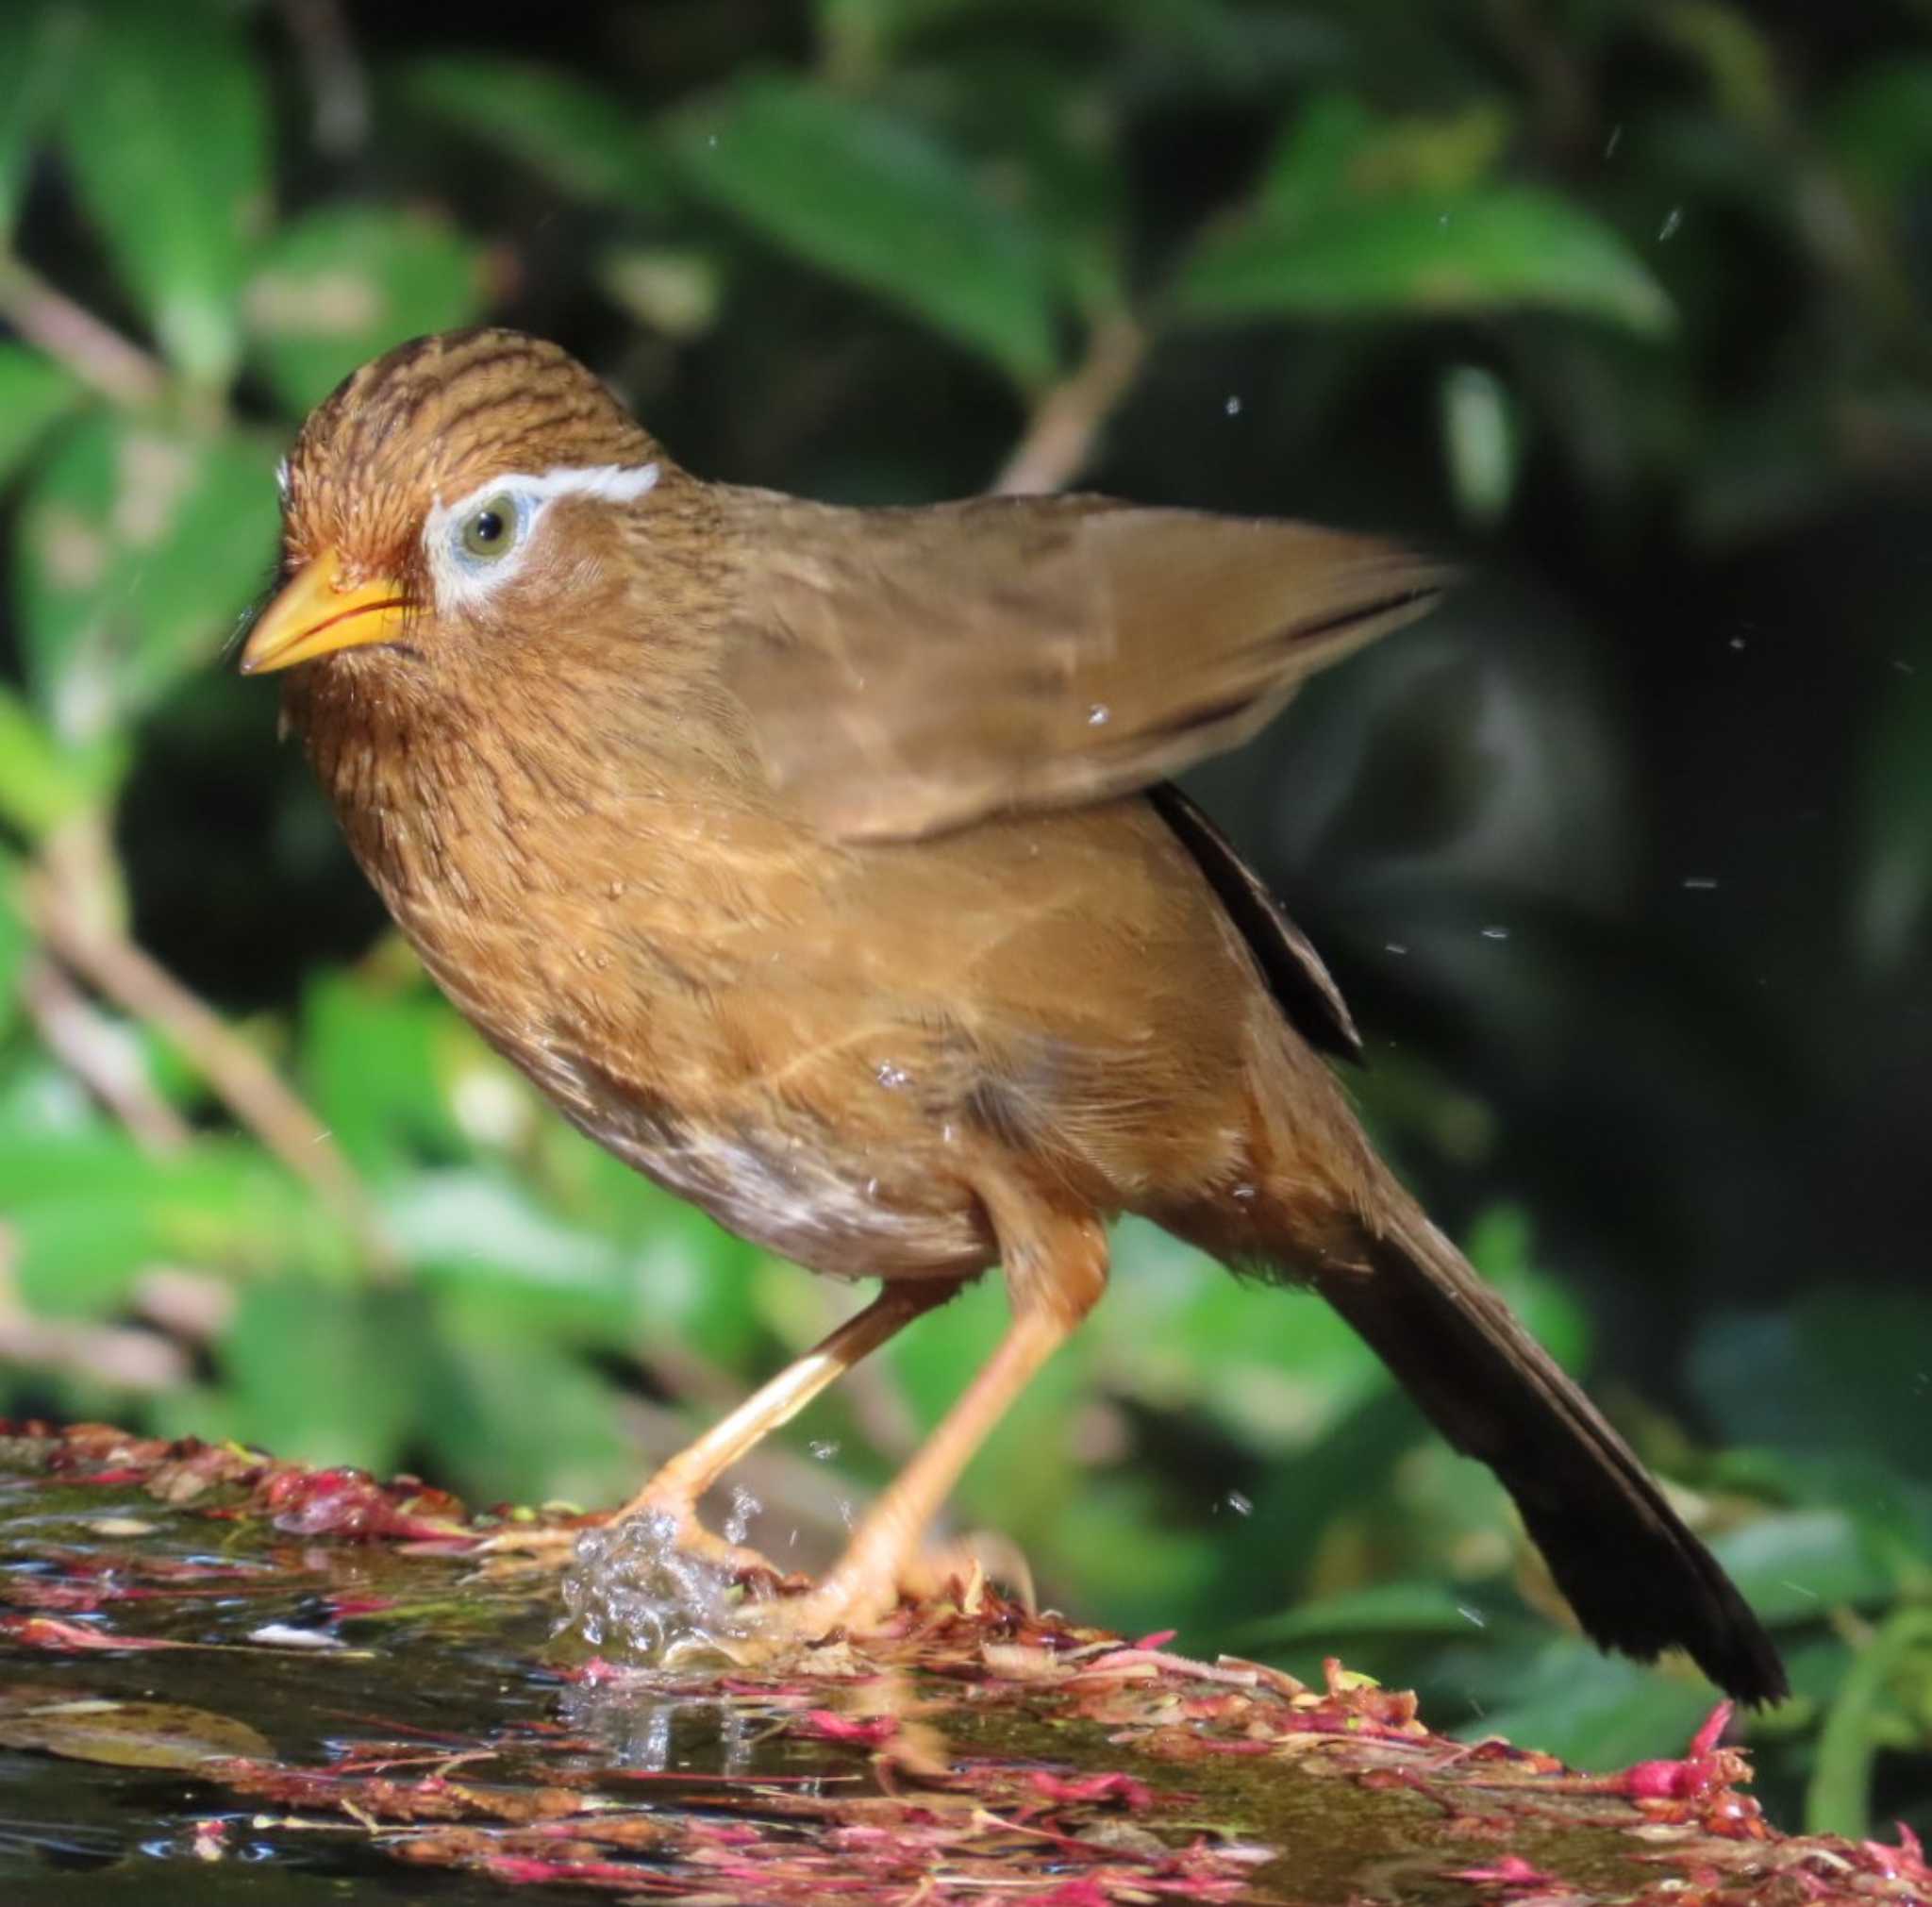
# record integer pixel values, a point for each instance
(469, 562)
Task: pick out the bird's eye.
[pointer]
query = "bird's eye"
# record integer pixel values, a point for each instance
(489, 530)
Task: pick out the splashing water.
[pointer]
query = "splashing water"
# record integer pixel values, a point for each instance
(633, 1591)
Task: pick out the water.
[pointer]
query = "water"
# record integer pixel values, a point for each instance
(171, 1735)
(633, 1592)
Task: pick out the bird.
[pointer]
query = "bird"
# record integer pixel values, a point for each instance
(826, 865)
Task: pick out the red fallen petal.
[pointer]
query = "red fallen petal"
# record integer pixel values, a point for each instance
(1511, 1870)
(340, 1502)
(46, 1632)
(1124, 1788)
(1708, 1737)
(595, 1673)
(1679, 1781)
(1159, 1639)
(865, 1732)
(524, 1868)
(1075, 1893)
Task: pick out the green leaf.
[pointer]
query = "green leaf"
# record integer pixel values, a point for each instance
(380, 1064)
(485, 1234)
(34, 391)
(87, 1212)
(1336, 148)
(341, 286)
(123, 1735)
(43, 784)
(1799, 1567)
(1880, 127)
(139, 545)
(167, 136)
(583, 141)
(39, 48)
(560, 1438)
(1491, 248)
(1409, 1609)
(322, 1375)
(875, 200)
(14, 944)
(1840, 1370)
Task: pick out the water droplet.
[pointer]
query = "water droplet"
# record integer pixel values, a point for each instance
(1700, 883)
(872, 1188)
(824, 1448)
(1243, 1193)
(1233, 406)
(1099, 715)
(1668, 230)
(1615, 140)
(847, 1514)
(1474, 1616)
(893, 1079)
(1242, 1506)
(1395, 946)
(1495, 933)
(744, 1506)
(1738, 642)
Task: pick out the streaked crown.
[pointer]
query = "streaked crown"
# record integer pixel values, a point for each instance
(431, 421)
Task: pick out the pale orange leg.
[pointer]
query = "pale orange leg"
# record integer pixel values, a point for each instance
(673, 1491)
(1055, 1270)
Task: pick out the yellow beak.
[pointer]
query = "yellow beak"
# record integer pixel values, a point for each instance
(315, 615)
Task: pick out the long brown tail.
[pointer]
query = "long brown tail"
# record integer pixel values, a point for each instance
(1638, 1580)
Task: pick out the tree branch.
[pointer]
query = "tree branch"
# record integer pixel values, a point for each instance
(1060, 436)
(240, 1077)
(99, 1054)
(98, 355)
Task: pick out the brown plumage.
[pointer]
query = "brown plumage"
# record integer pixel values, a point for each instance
(820, 865)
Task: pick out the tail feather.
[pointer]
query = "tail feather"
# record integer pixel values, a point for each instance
(1638, 1580)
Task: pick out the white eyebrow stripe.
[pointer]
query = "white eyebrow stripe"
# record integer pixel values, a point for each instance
(606, 482)
(459, 585)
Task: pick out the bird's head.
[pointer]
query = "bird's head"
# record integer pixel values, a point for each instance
(462, 498)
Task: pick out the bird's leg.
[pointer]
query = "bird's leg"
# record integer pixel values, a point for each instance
(1056, 1268)
(674, 1489)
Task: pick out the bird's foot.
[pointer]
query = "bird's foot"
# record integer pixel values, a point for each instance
(850, 1603)
(867, 1590)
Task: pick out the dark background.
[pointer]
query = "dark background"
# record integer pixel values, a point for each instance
(1623, 859)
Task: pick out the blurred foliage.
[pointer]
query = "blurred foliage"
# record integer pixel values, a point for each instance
(1630, 297)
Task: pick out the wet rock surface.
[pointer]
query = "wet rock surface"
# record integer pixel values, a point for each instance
(224, 1678)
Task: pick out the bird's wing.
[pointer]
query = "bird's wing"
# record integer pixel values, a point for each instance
(910, 671)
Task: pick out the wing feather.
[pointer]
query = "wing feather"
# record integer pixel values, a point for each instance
(908, 672)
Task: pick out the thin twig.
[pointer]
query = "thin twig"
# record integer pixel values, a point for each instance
(101, 1055)
(97, 354)
(1066, 422)
(240, 1077)
(333, 68)
(127, 1359)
